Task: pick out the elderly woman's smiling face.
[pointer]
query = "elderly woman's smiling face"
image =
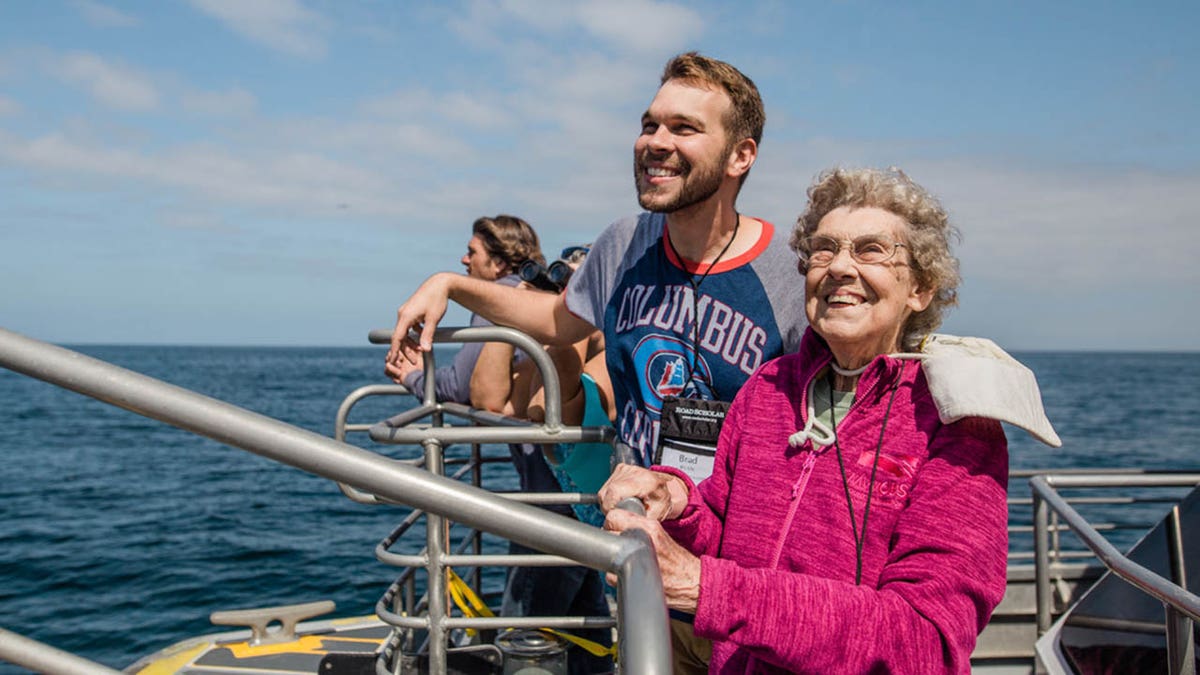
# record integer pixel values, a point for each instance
(860, 308)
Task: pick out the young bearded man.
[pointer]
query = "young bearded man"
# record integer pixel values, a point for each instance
(692, 297)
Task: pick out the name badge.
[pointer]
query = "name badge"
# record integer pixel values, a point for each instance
(696, 462)
(688, 433)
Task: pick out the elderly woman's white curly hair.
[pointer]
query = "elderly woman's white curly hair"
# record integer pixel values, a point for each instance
(927, 237)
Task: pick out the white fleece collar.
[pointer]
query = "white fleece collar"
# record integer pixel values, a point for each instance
(973, 377)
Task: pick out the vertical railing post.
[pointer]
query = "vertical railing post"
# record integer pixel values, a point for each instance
(1055, 534)
(410, 594)
(1041, 565)
(439, 597)
(477, 544)
(640, 595)
(1181, 645)
(1181, 641)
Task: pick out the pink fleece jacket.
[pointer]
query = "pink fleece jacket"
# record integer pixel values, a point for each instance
(774, 536)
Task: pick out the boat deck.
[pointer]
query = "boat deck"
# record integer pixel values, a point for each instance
(419, 629)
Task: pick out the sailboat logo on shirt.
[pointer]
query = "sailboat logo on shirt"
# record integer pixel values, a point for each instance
(663, 363)
(672, 382)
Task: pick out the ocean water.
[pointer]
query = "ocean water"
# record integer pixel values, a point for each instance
(120, 535)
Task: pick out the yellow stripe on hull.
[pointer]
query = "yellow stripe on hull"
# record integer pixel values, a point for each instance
(232, 652)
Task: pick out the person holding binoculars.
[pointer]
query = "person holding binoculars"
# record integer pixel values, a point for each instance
(505, 382)
(555, 277)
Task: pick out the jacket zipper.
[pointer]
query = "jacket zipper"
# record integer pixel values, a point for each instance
(798, 488)
(810, 459)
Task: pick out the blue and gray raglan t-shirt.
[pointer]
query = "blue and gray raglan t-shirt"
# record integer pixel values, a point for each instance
(634, 287)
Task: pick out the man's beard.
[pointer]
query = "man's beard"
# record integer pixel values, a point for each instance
(698, 184)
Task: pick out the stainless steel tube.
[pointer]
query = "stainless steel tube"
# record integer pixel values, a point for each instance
(42, 658)
(645, 628)
(1140, 577)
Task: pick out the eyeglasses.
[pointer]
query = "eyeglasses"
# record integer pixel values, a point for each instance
(869, 249)
(575, 254)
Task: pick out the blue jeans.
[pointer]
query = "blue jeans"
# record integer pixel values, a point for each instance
(561, 591)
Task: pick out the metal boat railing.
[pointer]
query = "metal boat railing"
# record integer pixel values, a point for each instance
(641, 613)
(1181, 607)
(42, 658)
(1041, 520)
(1007, 642)
(1073, 567)
(400, 604)
(1021, 527)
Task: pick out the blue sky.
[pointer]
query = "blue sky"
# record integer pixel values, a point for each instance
(284, 172)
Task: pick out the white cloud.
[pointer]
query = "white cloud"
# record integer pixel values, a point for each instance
(475, 111)
(476, 24)
(642, 25)
(111, 84)
(233, 102)
(594, 80)
(1025, 226)
(544, 16)
(196, 219)
(282, 25)
(481, 110)
(399, 144)
(104, 16)
(1079, 229)
(8, 106)
(296, 182)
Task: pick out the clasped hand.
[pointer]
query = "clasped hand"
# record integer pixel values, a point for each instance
(664, 497)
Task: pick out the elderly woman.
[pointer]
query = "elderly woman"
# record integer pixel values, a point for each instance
(845, 528)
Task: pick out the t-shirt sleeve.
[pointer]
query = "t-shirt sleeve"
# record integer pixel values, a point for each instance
(452, 382)
(592, 284)
(785, 288)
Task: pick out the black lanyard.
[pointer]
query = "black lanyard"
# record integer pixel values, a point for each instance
(695, 284)
(860, 536)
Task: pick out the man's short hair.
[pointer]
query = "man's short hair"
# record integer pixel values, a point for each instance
(746, 116)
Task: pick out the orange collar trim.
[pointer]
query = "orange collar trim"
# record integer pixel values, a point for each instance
(764, 240)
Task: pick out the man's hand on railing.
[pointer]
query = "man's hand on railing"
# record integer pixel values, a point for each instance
(410, 361)
(422, 311)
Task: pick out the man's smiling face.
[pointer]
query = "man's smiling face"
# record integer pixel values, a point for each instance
(680, 157)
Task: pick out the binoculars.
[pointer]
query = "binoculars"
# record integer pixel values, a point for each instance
(553, 278)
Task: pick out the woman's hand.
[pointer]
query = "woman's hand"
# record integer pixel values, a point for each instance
(663, 495)
(679, 568)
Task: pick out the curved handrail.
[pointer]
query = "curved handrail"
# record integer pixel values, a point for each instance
(535, 351)
(1181, 607)
(642, 612)
(1044, 487)
(340, 427)
(497, 428)
(42, 658)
